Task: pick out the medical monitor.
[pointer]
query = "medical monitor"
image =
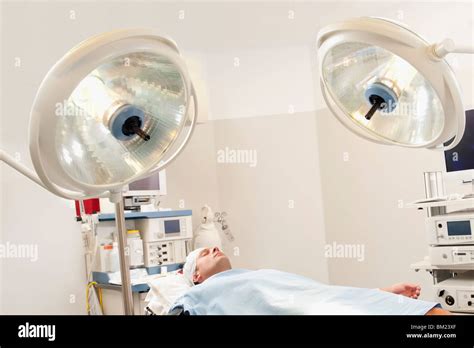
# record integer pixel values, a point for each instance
(460, 160)
(154, 185)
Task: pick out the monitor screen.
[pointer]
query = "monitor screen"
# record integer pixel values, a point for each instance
(172, 226)
(461, 157)
(459, 228)
(152, 183)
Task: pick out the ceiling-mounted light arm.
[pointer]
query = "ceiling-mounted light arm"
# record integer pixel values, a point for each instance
(33, 176)
(4, 157)
(447, 46)
(439, 51)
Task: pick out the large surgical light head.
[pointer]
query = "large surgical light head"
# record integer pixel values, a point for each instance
(388, 85)
(115, 108)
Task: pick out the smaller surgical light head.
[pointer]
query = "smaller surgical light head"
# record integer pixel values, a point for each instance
(383, 82)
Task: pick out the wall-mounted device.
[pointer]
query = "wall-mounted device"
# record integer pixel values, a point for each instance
(450, 229)
(220, 217)
(457, 293)
(460, 255)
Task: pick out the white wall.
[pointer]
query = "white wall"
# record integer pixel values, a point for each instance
(260, 82)
(361, 206)
(275, 208)
(261, 100)
(192, 178)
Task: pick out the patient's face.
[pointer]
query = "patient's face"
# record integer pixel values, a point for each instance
(209, 262)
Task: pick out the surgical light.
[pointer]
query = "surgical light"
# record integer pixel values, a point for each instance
(388, 85)
(116, 108)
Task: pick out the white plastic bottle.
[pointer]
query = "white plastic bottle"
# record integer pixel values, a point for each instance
(104, 253)
(114, 262)
(135, 245)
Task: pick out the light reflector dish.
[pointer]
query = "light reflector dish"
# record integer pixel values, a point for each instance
(380, 80)
(110, 111)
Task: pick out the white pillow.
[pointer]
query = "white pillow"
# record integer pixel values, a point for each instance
(164, 291)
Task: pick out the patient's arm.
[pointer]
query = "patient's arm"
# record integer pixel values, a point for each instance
(413, 291)
(404, 289)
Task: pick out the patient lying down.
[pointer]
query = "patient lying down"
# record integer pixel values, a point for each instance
(223, 290)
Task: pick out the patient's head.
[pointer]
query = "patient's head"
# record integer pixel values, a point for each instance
(205, 262)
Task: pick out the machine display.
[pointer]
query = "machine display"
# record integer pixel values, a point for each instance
(450, 229)
(154, 230)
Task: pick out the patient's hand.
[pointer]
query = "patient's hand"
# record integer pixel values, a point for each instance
(405, 289)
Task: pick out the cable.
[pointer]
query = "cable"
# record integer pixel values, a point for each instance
(99, 290)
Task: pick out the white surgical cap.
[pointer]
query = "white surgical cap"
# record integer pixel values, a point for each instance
(190, 266)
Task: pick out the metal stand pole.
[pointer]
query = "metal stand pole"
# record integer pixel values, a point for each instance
(123, 254)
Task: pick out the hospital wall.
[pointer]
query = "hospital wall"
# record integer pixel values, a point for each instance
(261, 103)
(275, 207)
(192, 177)
(365, 188)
